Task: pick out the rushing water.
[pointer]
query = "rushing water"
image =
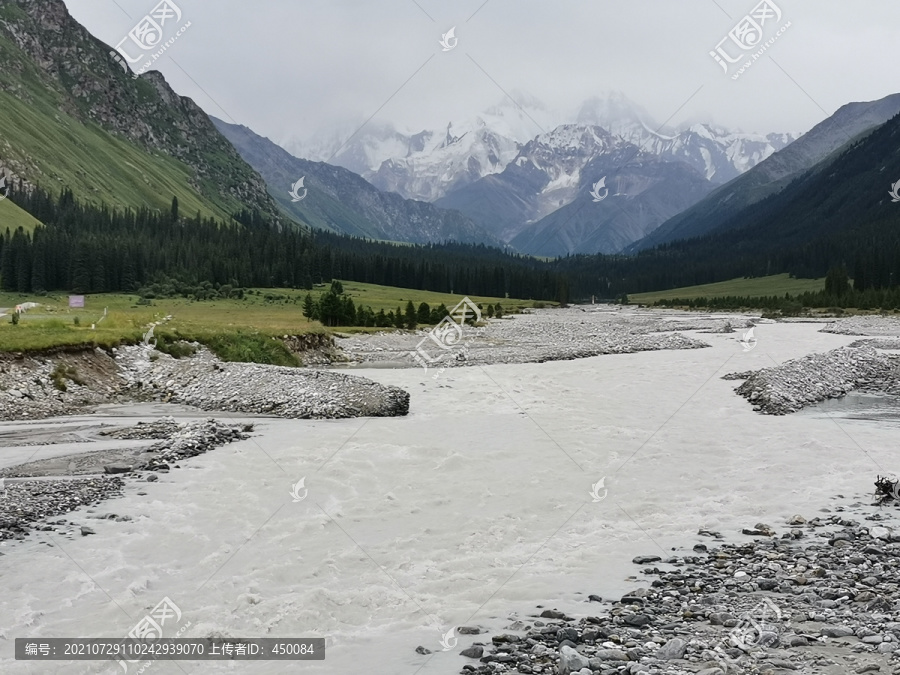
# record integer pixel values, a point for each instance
(484, 502)
(881, 409)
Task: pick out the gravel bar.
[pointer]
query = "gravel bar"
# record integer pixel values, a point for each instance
(821, 598)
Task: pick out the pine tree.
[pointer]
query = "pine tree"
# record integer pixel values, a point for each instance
(439, 313)
(309, 307)
(837, 282)
(410, 315)
(423, 315)
(38, 266)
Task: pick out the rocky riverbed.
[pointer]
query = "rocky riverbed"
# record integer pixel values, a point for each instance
(34, 492)
(818, 595)
(545, 335)
(795, 384)
(70, 382)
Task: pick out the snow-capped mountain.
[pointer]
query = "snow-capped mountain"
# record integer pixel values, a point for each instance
(432, 163)
(341, 201)
(554, 174)
(428, 164)
(544, 176)
(719, 154)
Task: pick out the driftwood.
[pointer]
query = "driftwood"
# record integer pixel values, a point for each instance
(887, 489)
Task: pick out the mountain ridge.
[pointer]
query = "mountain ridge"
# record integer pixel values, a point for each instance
(776, 172)
(338, 200)
(86, 124)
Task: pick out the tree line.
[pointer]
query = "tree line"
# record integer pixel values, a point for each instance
(335, 308)
(87, 248)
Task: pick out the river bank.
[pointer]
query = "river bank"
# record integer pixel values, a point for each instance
(72, 381)
(505, 487)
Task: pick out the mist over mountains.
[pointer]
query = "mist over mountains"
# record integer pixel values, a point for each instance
(516, 164)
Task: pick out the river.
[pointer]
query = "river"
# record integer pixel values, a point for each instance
(481, 504)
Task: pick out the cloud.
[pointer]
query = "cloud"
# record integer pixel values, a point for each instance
(292, 69)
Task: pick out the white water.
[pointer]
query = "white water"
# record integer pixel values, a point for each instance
(473, 508)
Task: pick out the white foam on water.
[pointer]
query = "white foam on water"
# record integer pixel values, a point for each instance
(472, 510)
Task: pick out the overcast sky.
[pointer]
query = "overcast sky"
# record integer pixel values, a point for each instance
(289, 68)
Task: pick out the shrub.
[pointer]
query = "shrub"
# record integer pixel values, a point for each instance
(174, 347)
(63, 372)
(249, 348)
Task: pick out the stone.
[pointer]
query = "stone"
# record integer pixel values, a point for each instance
(552, 614)
(570, 661)
(646, 559)
(637, 619)
(836, 631)
(880, 533)
(473, 652)
(117, 468)
(673, 649)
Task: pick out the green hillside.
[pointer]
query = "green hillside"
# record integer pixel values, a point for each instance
(85, 124)
(12, 218)
(60, 151)
(777, 284)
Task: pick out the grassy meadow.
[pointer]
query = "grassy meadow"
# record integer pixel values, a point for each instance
(234, 329)
(777, 284)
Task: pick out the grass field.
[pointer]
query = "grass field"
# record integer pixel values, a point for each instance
(55, 149)
(12, 218)
(232, 324)
(388, 297)
(778, 284)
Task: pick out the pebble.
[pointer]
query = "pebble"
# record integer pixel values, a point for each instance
(843, 618)
(27, 503)
(202, 381)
